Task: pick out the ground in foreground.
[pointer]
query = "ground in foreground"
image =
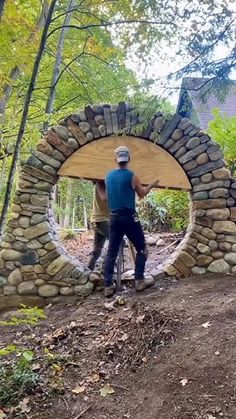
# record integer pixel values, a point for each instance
(169, 353)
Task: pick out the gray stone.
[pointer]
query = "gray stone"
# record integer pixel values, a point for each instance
(27, 288)
(73, 143)
(46, 238)
(202, 159)
(89, 136)
(225, 246)
(195, 181)
(84, 290)
(34, 162)
(9, 290)
(15, 277)
(39, 282)
(168, 129)
(9, 254)
(37, 218)
(231, 258)
(193, 143)
(219, 266)
(184, 124)
(48, 290)
(66, 290)
(219, 193)
(159, 123)
(205, 168)
(34, 244)
(34, 208)
(197, 270)
(234, 248)
(99, 120)
(57, 264)
(62, 132)
(18, 232)
(10, 265)
(230, 239)
(20, 246)
(50, 170)
(213, 244)
(208, 233)
(191, 154)
(102, 130)
(168, 144)
(190, 165)
(224, 227)
(217, 254)
(37, 230)
(178, 144)
(75, 118)
(24, 197)
(200, 213)
(43, 186)
(230, 202)
(218, 213)
(177, 134)
(180, 152)
(200, 195)
(82, 116)
(160, 242)
(216, 155)
(84, 126)
(50, 161)
(40, 200)
(222, 173)
(58, 156)
(29, 258)
(202, 248)
(208, 186)
(3, 281)
(9, 238)
(76, 273)
(206, 178)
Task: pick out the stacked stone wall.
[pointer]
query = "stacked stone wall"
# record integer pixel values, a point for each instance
(32, 261)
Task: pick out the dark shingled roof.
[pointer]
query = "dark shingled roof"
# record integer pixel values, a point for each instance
(197, 99)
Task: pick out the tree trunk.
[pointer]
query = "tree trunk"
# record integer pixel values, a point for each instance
(2, 4)
(25, 115)
(69, 205)
(58, 61)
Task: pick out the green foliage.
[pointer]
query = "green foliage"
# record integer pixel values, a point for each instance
(8, 350)
(17, 380)
(222, 129)
(165, 210)
(25, 315)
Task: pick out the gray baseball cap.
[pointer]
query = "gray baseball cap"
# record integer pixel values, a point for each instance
(122, 154)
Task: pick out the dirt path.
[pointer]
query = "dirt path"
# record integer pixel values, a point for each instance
(169, 353)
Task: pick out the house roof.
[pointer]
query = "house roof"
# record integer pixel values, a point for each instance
(196, 94)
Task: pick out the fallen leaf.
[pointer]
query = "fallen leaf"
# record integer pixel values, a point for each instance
(79, 389)
(35, 367)
(106, 390)
(95, 378)
(23, 405)
(206, 325)
(184, 381)
(2, 415)
(140, 319)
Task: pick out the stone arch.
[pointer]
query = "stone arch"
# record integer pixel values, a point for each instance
(33, 263)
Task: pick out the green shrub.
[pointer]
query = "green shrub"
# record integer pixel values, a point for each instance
(165, 211)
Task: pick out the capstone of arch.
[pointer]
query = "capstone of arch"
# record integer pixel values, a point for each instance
(34, 267)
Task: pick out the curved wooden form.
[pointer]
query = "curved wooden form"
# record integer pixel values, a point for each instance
(148, 161)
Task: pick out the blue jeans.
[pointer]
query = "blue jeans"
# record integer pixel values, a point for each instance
(130, 226)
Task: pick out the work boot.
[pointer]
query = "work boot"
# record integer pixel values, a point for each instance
(142, 284)
(109, 291)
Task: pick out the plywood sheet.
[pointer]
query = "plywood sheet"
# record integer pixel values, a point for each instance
(149, 161)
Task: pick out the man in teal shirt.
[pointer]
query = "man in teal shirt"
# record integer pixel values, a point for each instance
(121, 186)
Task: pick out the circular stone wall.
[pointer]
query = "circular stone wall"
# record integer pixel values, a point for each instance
(35, 267)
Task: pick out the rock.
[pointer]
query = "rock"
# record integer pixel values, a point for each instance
(9, 254)
(76, 273)
(197, 270)
(186, 259)
(29, 258)
(25, 197)
(213, 244)
(39, 282)
(34, 244)
(218, 213)
(18, 232)
(41, 252)
(73, 143)
(48, 290)
(27, 288)
(15, 277)
(216, 155)
(50, 161)
(206, 178)
(208, 233)
(190, 155)
(9, 238)
(3, 281)
(46, 238)
(57, 264)
(210, 203)
(195, 181)
(150, 240)
(170, 270)
(9, 290)
(50, 245)
(204, 260)
(24, 222)
(234, 248)
(200, 213)
(9, 265)
(40, 200)
(202, 248)
(43, 186)
(66, 290)
(219, 266)
(230, 239)
(197, 196)
(38, 218)
(44, 147)
(225, 246)
(84, 126)
(190, 165)
(102, 130)
(193, 143)
(21, 247)
(230, 258)
(177, 134)
(62, 132)
(224, 227)
(159, 123)
(50, 169)
(84, 290)
(222, 173)
(217, 254)
(89, 136)
(230, 202)
(207, 186)
(84, 278)
(160, 242)
(205, 168)
(37, 230)
(202, 159)
(219, 193)
(34, 208)
(184, 123)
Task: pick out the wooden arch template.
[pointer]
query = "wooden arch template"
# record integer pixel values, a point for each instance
(35, 268)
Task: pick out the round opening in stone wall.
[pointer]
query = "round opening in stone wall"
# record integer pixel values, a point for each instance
(181, 155)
